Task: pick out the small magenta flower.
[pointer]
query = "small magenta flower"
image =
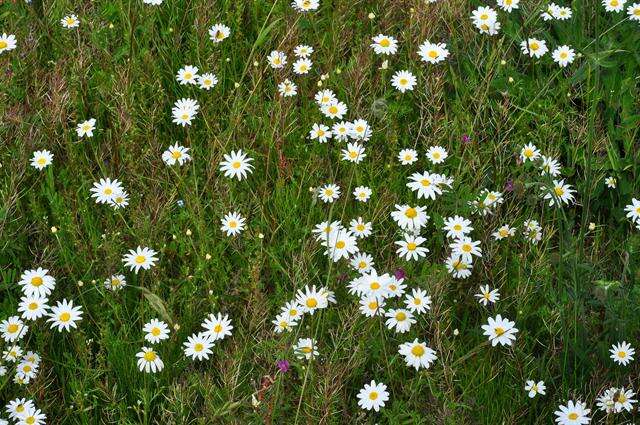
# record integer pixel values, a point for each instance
(508, 187)
(283, 366)
(400, 274)
(466, 139)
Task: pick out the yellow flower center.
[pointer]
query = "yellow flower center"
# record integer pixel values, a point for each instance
(150, 356)
(503, 233)
(403, 81)
(411, 213)
(217, 328)
(362, 265)
(373, 305)
(184, 116)
(401, 317)
(558, 191)
(433, 54)
(614, 3)
(436, 155)
(417, 301)
(426, 182)
(70, 21)
(385, 42)
(563, 55)
(466, 247)
(30, 420)
(33, 306)
(499, 331)
(42, 161)
(65, 317)
(333, 109)
(622, 354)
(312, 303)
(417, 350)
(198, 347)
(140, 259)
(484, 17)
(340, 244)
(293, 312)
(37, 281)
(373, 395)
(155, 331)
(457, 227)
(328, 192)
(236, 165)
(176, 154)
(3, 44)
(188, 76)
(233, 224)
(20, 408)
(12, 328)
(411, 246)
(408, 157)
(534, 46)
(108, 191)
(374, 285)
(306, 350)
(573, 416)
(26, 368)
(353, 154)
(219, 35)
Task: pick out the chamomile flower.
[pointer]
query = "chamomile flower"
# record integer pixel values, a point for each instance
(529, 153)
(207, 81)
(237, 165)
(362, 262)
(613, 5)
(563, 55)
(37, 282)
(105, 190)
(633, 12)
(311, 300)
(187, 75)
(360, 228)
(504, 232)
(362, 193)
(457, 227)
(418, 302)
(184, 110)
(320, 132)
(140, 258)
(487, 295)
(458, 267)
(616, 400)
(283, 323)
(115, 283)
(198, 346)
(153, 2)
(534, 388)
(149, 361)
(410, 218)
(426, 184)
(65, 315)
(176, 154)
(410, 248)
(574, 413)
(437, 154)
(384, 45)
(403, 81)
(334, 110)
(633, 210)
(287, 88)
(329, 193)
(306, 348)
(562, 13)
(622, 353)
(560, 193)
(302, 66)
(324, 229)
(17, 407)
(395, 287)
(500, 331)
(417, 354)
(33, 307)
(340, 244)
(354, 153)
(372, 306)
(70, 21)
(399, 319)
(277, 59)
(341, 131)
(466, 249)
(292, 309)
(26, 370)
(232, 223)
(12, 353)
(305, 5)
(32, 416)
(119, 200)
(549, 166)
(611, 182)
(41, 159)
(371, 284)
(407, 156)
(325, 97)
(85, 128)
(360, 130)
(219, 32)
(486, 20)
(155, 331)
(7, 42)
(303, 51)
(534, 48)
(217, 326)
(373, 396)
(508, 5)
(433, 52)
(13, 329)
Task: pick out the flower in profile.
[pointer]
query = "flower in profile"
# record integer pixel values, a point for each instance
(305, 5)
(384, 45)
(306, 348)
(613, 5)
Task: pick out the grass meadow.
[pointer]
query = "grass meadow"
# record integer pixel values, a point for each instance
(572, 295)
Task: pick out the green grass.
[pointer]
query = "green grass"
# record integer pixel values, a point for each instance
(587, 115)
